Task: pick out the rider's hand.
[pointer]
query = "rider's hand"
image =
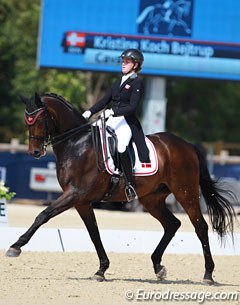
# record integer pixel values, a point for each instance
(86, 114)
(108, 113)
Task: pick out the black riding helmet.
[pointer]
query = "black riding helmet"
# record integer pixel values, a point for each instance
(135, 55)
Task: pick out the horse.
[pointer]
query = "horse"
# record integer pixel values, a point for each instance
(182, 170)
(170, 14)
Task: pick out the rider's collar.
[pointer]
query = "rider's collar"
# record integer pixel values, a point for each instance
(131, 75)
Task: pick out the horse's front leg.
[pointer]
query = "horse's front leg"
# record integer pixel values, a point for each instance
(64, 202)
(87, 214)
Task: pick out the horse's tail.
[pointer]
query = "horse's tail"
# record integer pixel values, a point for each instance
(220, 210)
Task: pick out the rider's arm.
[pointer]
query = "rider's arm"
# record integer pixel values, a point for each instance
(102, 102)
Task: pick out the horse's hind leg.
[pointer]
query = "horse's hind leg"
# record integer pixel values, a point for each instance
(155, 204)
(87, 214)
(190, 202)
(201, 229)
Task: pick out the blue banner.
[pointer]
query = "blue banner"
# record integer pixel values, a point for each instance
(190, 38)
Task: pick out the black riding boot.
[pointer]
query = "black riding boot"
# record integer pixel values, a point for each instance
(127, 173)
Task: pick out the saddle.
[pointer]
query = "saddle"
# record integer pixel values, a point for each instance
(113, 143)
(111, 160)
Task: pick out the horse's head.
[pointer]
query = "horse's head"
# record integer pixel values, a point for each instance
(50, 116)
(35, 117)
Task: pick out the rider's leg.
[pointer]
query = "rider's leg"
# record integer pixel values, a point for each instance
(127, 172)
(124, 135)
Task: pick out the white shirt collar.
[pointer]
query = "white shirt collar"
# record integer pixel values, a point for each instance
(125, 77)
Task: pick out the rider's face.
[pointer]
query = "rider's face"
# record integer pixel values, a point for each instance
(127, 66)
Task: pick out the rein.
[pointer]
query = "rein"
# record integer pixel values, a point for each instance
(67, 134)
(95, 138)
(94, 131)
(32, 117)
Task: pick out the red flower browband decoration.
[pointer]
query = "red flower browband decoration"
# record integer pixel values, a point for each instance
(31, 118)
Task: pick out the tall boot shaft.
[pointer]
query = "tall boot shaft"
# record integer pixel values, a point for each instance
(127, 167)
(128, 176)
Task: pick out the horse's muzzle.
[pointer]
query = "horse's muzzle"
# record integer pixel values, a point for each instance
(36, 153)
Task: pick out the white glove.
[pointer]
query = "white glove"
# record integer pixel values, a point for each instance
(108, 113)
(86, 114)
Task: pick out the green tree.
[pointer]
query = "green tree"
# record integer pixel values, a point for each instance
(197, 110)
(18, 26)
(19, 74)
(201, 110)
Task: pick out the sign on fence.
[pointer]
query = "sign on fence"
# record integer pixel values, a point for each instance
(2, 173)
(3, 212)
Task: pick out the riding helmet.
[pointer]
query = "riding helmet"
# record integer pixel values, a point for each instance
(135, 55)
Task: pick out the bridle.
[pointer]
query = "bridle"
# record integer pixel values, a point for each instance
(42, 114)
(31, 119)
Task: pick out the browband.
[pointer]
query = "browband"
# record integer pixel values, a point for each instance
(31, 118)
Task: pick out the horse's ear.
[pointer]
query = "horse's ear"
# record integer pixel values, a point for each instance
(23, 98)
(38, 100)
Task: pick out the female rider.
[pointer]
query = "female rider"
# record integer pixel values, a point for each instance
(125, 95)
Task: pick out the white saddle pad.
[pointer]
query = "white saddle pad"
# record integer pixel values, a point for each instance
(140, 169)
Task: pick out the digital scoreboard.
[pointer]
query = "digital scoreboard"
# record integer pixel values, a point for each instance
(185, 38)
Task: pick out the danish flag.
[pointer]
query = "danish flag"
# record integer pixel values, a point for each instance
(75, 39)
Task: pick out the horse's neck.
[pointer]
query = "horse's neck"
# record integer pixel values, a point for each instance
(80, 146)
(65, 117)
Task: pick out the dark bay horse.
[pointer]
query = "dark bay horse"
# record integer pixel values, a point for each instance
(182, 169)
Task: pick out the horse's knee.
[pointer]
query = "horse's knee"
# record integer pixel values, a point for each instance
(43, 217)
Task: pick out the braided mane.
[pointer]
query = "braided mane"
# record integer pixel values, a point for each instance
(61, 98)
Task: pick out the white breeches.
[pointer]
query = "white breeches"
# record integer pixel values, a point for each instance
(122, 130)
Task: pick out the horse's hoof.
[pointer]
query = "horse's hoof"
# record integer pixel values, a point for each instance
(12, 252)
(208, 282)
(207, 279)
(162, 273)
(97, 277)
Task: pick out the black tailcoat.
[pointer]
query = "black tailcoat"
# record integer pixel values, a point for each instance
(125, 100)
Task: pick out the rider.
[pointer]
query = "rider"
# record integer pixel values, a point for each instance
(125, 95)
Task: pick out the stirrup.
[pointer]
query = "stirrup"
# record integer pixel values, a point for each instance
(130, 193)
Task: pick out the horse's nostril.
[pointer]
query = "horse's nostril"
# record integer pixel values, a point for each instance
(35, 153)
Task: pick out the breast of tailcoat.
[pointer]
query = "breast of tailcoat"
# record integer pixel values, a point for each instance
(125, 100)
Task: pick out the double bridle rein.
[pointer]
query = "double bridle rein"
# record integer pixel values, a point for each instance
(42, 114)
